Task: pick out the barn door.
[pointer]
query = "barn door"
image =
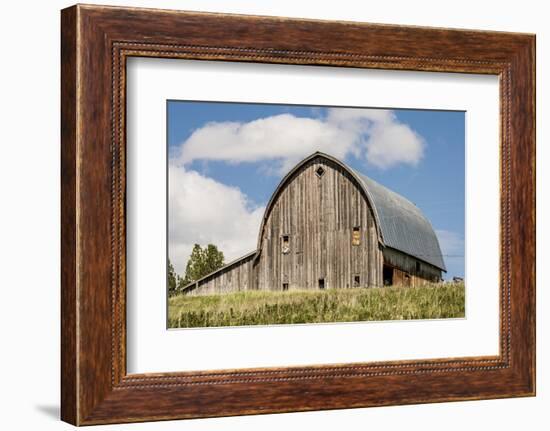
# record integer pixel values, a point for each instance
(387, 274)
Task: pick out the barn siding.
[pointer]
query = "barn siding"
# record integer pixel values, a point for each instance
(319, 214)
(234, 277)
(405, 272)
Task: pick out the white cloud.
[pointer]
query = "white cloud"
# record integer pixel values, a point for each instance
(372, 134)
(390, 143)
(204, 211)
(347, 115)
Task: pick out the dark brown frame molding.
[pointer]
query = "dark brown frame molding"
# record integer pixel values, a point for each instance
(95, 43)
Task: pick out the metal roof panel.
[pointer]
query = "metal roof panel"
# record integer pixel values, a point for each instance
(402, 224)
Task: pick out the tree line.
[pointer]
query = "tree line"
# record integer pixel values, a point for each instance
(202, 262)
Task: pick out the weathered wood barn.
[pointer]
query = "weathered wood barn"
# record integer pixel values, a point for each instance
(328, 226)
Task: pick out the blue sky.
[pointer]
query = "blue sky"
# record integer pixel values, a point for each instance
(239, 152)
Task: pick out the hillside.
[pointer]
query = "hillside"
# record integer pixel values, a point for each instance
(434, 301)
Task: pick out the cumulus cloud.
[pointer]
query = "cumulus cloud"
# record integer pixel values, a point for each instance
(375, 135)
(204, 211)
(390, 143)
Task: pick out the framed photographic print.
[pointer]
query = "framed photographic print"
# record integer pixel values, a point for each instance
(268, 215)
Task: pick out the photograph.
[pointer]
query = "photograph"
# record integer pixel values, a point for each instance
(295, 214)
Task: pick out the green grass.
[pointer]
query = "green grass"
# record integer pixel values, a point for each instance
(434, 301)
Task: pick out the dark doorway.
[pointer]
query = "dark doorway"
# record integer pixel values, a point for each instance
(321, 283)
(285, 286)
(387, 274)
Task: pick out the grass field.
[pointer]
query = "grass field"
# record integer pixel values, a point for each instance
(316, 306)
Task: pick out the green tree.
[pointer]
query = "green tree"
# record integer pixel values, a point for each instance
(193, 269)
(202, 262)
(180, 284)
(172, 279)
(213, 259)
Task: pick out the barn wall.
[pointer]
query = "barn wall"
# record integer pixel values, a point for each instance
(401, 278)
(405, 272)
(319, 214)
(236, 277)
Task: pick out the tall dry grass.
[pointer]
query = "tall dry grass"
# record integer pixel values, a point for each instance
(433, 301)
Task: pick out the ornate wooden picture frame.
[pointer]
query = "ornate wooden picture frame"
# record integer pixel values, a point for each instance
(96, 42)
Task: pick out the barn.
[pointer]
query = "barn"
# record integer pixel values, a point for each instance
(328, 226)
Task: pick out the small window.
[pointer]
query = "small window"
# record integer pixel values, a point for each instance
(417, 267)
(285, 247)
(320, 171)
(356, 236)
(285, 286)
(321, 283)
(356, 281)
